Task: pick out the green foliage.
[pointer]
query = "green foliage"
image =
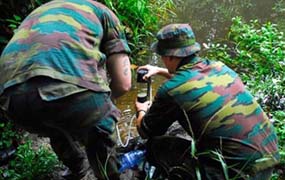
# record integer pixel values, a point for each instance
(15, 22)
(8, 135)
(259, 46)
(30, 163)
(26, 163)
(278, 117)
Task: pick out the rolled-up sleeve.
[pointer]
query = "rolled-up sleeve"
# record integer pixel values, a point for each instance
(114, 39)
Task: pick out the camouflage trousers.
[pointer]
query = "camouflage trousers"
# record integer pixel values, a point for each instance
(172, 158)
(87, 118)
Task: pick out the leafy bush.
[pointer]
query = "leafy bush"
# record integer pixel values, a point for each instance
(278, 117)
(30, 164)
(19, 160)
(8, 135)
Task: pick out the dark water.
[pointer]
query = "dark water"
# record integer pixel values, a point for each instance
(210, 20)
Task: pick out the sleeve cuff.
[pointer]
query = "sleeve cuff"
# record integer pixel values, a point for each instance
(116, 46)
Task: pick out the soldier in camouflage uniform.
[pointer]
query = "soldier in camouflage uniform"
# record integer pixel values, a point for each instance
(211, 103)
(58, 74)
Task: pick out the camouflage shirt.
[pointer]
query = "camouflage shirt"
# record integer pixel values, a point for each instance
(211, 103)
(67, 40)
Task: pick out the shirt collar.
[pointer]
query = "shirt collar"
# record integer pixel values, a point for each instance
(188, 60)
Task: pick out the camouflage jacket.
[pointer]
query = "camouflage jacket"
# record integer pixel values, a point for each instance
(211, 103)
(67, 40)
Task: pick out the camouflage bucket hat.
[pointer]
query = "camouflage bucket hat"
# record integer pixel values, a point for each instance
(176, 40)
